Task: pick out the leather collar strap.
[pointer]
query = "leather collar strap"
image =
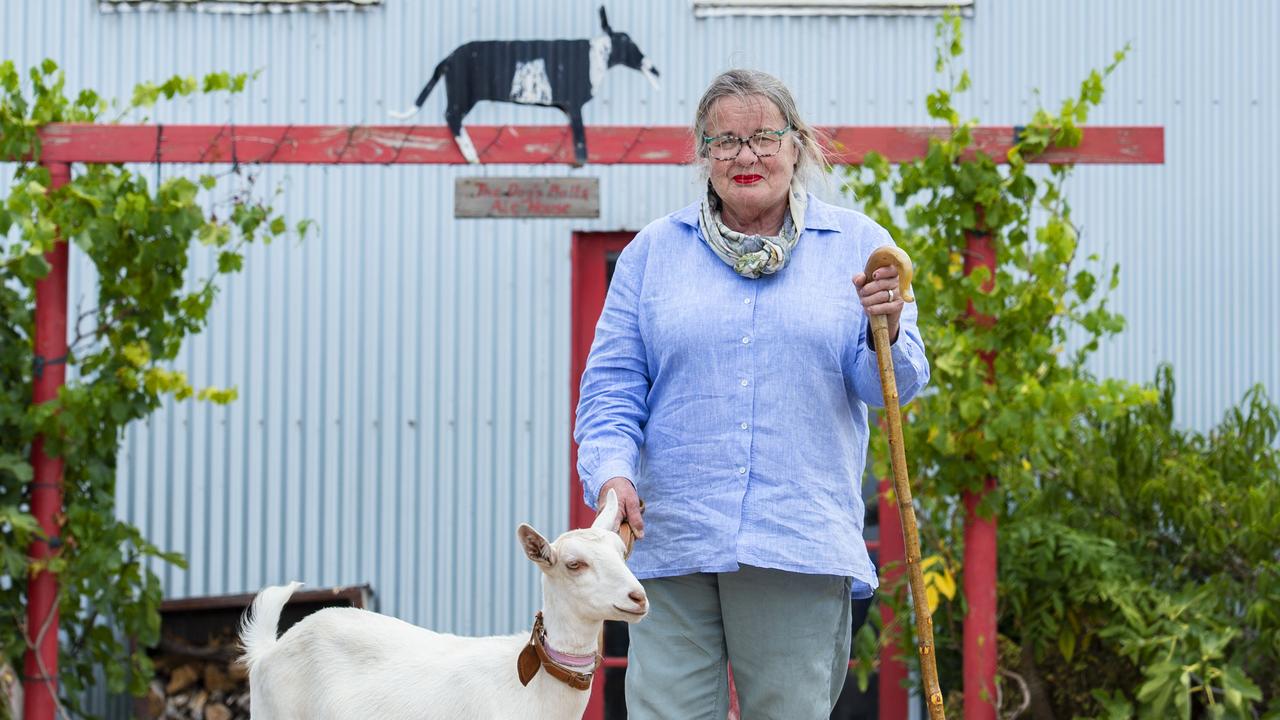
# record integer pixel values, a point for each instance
(534, 656)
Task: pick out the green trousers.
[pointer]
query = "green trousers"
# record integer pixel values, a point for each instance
(786, 635)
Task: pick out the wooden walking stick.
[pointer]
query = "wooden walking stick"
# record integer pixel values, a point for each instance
(883, 257)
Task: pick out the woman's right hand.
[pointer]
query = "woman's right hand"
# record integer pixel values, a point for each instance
(628, 505)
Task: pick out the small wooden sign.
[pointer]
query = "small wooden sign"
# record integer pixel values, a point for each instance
(493, 197)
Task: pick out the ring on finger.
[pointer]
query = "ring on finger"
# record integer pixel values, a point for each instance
(890, 291)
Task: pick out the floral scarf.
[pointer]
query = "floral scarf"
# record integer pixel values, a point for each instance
(753, 255)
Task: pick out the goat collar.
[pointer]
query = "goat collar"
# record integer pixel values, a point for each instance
(537, 654)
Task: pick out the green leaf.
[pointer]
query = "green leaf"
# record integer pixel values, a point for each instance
(145, 95)
(34, 266)
(1115, 705)
(1237, 688)
(1067, 642)
(21, 524)
(971, 408)
(229, 262)
(16, 466)
(216, 81)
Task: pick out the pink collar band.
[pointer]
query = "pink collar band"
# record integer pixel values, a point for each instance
(573, 659)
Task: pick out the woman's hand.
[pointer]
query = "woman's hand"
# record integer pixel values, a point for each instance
(879, 296)
(628, 505)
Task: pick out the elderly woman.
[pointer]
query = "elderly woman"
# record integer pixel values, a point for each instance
(728, 386)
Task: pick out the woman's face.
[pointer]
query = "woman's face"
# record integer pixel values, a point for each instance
(748, 184)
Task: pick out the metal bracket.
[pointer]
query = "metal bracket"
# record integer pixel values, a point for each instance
(40, 363)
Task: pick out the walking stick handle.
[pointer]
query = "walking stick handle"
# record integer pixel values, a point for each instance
(628, 535)
(887, 255)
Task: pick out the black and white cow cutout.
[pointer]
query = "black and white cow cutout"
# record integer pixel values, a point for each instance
(553, 73)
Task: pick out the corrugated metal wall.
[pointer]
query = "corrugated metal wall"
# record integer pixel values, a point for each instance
(404, 377)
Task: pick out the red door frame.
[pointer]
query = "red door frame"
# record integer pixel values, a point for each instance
(589, 258)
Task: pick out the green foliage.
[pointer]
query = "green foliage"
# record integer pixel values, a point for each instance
(978, 424)
(1133, 557)
(1155, 556)
(140, 240)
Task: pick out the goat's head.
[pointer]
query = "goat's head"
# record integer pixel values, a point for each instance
(585, 572)
(624, 51)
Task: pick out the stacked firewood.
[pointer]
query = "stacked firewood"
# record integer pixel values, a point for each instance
(197, 683)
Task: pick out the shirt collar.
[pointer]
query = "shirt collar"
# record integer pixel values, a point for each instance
(817, 215)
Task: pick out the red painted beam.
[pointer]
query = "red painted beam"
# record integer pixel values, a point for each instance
(540, 144)
(1102, 144)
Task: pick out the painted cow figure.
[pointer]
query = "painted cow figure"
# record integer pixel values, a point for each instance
(553, 73)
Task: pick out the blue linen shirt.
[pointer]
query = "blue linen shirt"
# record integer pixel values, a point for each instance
(738, 407)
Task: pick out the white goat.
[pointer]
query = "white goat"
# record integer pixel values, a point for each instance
(343, 663)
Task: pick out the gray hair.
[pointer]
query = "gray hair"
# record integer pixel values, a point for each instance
(811, 159)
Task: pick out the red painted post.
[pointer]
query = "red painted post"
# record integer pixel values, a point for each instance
(892, 552)
(980, 623)
(40, 669)
(980, 541)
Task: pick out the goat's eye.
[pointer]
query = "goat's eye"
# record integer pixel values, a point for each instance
(575, 564)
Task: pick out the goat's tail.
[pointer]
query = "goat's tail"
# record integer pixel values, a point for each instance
(258, 631)
(422, 96)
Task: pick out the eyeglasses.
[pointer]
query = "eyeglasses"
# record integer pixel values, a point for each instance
(764, 144)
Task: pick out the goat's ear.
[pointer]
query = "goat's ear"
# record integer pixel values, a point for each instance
(536, 546)
(604, 22)
(608, 515)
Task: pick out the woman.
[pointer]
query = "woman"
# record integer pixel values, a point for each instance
(728, 386)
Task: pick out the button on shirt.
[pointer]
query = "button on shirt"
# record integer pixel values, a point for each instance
(738, 407)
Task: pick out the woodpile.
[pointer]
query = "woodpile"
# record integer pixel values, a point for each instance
(197, 676)
(197, 682)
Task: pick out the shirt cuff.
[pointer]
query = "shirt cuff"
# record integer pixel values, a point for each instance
(603, 474)
(871, 338)
(902, 354)
(904, 361)
(859, 590)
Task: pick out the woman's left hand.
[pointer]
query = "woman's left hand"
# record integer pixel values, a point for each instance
(879, 296)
